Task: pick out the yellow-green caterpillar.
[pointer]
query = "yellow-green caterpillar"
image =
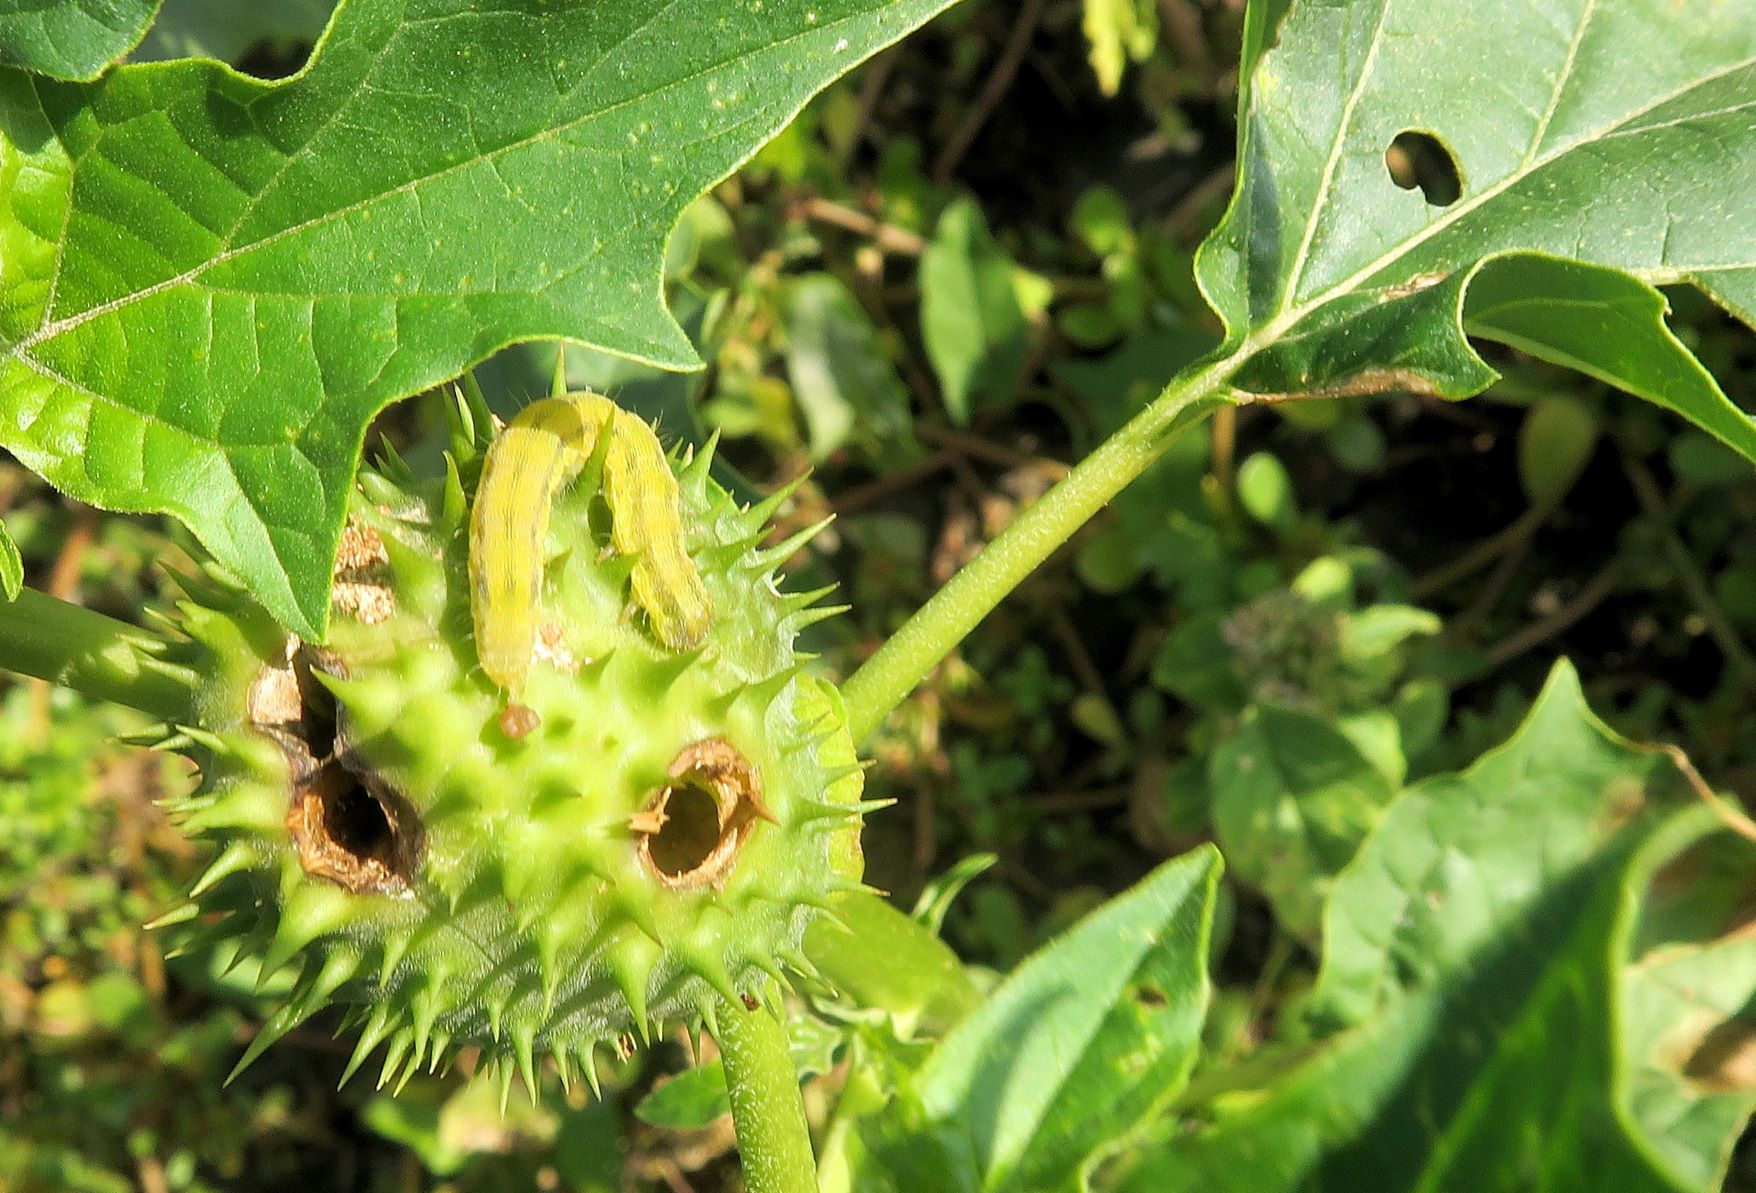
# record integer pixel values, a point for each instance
(538, 453)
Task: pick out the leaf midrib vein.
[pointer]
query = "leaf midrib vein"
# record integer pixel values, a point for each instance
(66, 216)
(363, 82)
(1561, 80)
(1334, 159)
(150, 417)
(50, 330)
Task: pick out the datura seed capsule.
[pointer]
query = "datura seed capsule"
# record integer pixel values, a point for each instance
(655, 835)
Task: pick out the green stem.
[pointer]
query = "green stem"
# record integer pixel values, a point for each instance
(938, 626)
(774, 1141)
(111, 660)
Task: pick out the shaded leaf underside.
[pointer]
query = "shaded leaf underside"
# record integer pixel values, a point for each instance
(1621, 134)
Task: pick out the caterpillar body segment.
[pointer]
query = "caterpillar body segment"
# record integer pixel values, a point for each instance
(531, 460)
(646, 524)
(535, 457)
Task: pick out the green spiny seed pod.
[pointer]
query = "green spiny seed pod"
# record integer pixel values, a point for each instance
(659, 838)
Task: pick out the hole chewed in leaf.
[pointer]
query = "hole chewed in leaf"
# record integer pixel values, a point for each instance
(692, 829)
(1419, 159)
(347, 824)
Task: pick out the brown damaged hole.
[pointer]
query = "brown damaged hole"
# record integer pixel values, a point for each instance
(692, 829)
(348, 825)
(1724, 1061)
(354, 831)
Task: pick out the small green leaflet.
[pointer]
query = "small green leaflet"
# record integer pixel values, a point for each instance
(1088, 1039)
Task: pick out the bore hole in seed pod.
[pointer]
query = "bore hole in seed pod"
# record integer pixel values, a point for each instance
(689, 833)
(288, 701)
(348, 824)
(693, 828)
(354, 835)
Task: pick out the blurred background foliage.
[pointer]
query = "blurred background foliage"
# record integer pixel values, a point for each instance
(963, 265)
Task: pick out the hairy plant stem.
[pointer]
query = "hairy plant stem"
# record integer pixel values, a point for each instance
(108, 659)
(768, 1112)
(938, 626)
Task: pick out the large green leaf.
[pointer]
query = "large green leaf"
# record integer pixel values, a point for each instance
(1456, 857)
(209, 284)
(1085, 1041)
(1479, 935)
(1618, 134)
(1606, 324)
(70, 39)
